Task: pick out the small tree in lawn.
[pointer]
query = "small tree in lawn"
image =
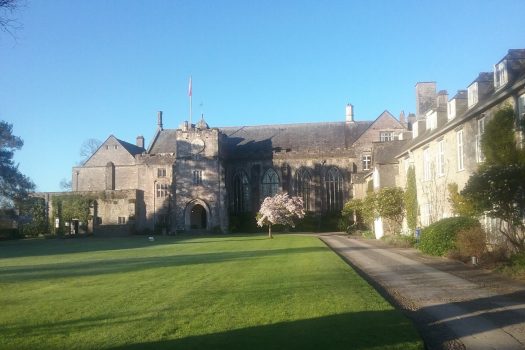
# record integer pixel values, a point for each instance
(280, 209)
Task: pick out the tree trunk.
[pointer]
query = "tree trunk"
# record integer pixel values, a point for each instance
(270, 231)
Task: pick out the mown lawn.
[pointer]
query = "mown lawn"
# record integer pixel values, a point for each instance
(220, 292)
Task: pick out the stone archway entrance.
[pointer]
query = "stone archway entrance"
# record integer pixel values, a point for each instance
(198, 217)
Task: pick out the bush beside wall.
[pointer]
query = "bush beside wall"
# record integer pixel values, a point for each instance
(440, 237)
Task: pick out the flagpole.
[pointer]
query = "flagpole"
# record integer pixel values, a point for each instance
(190, 94)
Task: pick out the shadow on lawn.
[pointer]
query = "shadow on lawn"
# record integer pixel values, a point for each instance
(41, 247)
(359, 330)
(14, 274)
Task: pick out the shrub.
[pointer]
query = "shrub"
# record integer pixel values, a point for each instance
(401, 241)
(515, 267)
(243, 223)
(471, 242)
(309, 223)
(368, 234)
(329, 222)
(9, 233)
(440, 237)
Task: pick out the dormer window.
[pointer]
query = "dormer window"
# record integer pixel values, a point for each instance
(386, 136)
(500, 74)
(472, 94)
(431, 120)
(451, 110)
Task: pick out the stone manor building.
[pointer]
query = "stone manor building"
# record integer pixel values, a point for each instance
(197, 177)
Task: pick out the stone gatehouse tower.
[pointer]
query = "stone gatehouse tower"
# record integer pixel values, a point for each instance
(196, 177)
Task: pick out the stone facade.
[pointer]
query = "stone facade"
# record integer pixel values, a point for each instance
(445, 147)
(197, 178)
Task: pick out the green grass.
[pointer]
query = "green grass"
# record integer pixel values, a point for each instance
(222, 292)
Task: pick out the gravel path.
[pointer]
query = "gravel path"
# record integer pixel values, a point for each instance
(452, 305)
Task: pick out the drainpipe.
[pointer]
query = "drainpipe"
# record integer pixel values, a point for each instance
(154, 204)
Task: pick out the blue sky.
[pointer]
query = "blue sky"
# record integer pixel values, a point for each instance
(80, 70)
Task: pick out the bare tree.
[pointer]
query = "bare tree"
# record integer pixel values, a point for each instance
(65, 185)
(9, 24)
(88, 148)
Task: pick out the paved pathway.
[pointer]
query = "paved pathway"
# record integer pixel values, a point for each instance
(450, 311)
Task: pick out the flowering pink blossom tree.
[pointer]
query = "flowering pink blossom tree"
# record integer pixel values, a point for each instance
(280, 209)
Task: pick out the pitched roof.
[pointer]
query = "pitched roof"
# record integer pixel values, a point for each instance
(131, 148)
(493, 99)
(165, 141)
(386, 152)
(295, 137)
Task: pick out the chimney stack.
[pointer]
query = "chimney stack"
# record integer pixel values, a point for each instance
(402, 118)
(349, 113)
(140, 141)
(159, 120)
(425, 98)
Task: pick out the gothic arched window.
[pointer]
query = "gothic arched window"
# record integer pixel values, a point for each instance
(270, 183)
(240, 193)
(303, 182)
(334, 190)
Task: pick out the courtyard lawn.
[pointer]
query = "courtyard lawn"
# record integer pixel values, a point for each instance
(217, 292)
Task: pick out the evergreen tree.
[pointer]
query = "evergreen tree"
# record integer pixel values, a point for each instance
(14, 186)
(411, 199)
(497, 188)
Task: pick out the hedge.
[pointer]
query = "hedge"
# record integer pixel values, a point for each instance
(440, 237)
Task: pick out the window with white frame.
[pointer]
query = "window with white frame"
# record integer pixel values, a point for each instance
(431, 122)
(459, 149)
(427, 167)
(500, 74)
(480, 130)
(367, 161)
(426, 213)
(386, 136)
(440, 159)
(472, 93)
(161, 172)
(451, 110)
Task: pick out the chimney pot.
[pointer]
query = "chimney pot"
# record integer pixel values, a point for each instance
(349, 113)
(159, 119)
(140, 141)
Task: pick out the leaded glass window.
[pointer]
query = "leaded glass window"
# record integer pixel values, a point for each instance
(334, 190)
(240, 193)
(303, 188)
(270, 183)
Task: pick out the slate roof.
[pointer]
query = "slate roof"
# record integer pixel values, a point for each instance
(292, 137)
(244, 140)
(131, 148)
(165, 141)
(514, 54)
(386, 152)
(489, 101)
